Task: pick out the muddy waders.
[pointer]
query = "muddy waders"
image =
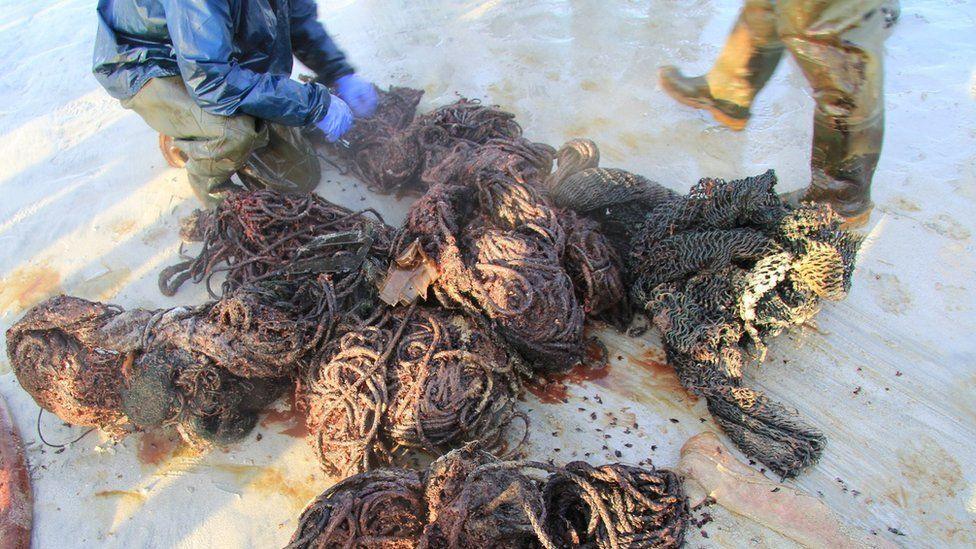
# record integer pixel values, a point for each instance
(216, 147)
(838, 46)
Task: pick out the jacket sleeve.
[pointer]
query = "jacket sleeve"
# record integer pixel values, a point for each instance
(313, 46)
(202, 35)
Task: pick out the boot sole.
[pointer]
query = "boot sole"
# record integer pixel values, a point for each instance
(734, 124)
(857, 221)
(171, 154)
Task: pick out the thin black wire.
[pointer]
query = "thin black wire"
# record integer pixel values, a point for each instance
(40, 412)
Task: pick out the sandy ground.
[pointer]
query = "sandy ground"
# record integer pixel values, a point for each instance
(91, 209)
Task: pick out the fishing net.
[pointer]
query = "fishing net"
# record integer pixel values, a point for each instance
(618, 200)
(313, 259)
(208, 369)
(408, 379)
(469, 498)
(720, 271)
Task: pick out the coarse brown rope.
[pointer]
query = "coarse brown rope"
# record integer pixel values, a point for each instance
(411, 379)
(208, 370)
(469, 498)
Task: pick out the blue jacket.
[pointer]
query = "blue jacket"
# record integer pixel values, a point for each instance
(235, 56)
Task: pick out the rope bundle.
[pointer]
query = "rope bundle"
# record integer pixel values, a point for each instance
(468, 498)
(394, 150)
(410, 378)
(502, 250)
(313, 259)
(504, 253)
(208, 370)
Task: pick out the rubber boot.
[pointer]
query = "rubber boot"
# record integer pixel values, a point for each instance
(839, 47)
(288, 163)
(842, 166)
(171, 153)
(693, 91)
(748, 59)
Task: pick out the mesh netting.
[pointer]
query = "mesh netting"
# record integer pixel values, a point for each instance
(720, 271)
(468, 498)
(208, 370)
(408, 379)
(617, 199)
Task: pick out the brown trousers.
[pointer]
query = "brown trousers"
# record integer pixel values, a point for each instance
(838, 45)
(269, 155)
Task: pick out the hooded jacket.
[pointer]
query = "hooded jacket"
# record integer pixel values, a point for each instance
(235, 56)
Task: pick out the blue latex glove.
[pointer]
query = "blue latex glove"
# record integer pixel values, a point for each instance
(337, 121)
(358, 93)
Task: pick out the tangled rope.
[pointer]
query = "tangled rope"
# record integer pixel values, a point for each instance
(208, 369)
(720, 271)
(502, 251)
(382, 508)
(408, 379)
(594, 266)
(499, 248)
(377, 150)
(314, 259)
(394, 150)
(469, 498)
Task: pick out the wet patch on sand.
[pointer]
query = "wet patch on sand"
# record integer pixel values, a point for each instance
(28, 286)
(889, 293)
(948, 227)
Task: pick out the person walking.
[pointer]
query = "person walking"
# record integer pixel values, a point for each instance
(838, 46)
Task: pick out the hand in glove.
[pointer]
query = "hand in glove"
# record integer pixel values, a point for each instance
(337, 121)
(358, 93)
